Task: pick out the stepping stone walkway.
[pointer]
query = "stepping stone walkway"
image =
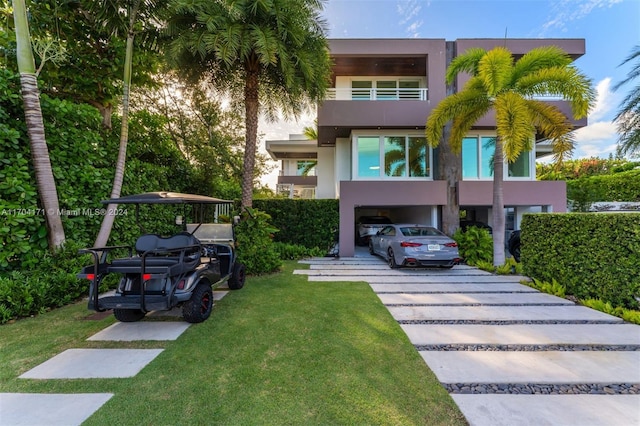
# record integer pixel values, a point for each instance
(73, 409)
(507, 354)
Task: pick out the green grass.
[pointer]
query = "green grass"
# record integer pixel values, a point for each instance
(280, 351)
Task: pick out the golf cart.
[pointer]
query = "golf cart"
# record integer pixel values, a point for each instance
(164, 272)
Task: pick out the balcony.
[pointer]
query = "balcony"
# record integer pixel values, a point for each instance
(397, 94)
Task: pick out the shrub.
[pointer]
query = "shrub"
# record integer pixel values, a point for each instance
(254, 236)
(553, 287)
(295, 251)
(629, 315)
(475, 245)
(594, 255)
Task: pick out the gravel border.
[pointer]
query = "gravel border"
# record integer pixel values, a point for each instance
(527, 348)
(544, 389)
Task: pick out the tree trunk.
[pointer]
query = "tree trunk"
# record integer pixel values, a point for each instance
(498, 205)
(449, 169)
(109, 217)
(35, 128)
(251, 105)
(450, 166)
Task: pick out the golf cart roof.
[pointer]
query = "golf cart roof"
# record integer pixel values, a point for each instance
(165, 198)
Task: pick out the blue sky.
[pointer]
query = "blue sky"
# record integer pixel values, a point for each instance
(610, 27)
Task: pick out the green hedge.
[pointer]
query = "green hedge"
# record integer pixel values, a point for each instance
(595, 255)
(308, 223)
(623, 186)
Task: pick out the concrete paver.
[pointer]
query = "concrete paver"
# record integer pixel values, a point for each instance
(26, 409)
(143, 330)
(523, 334)
(534, 367)
(499, 313)
(446, 288)
(472, 298)
(550, 410)
(93, 364)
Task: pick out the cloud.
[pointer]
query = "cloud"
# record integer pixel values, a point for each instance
(605, 100)
(409, 12)
(566, 11)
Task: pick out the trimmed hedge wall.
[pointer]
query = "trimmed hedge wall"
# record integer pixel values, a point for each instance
(623, 186)
(595, 255)
(309, 223)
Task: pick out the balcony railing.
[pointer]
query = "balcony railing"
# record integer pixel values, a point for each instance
(377, 94)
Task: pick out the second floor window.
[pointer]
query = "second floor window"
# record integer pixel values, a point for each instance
(477, 160)
(381, 157)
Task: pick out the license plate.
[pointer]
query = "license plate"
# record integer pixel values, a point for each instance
(433, 247)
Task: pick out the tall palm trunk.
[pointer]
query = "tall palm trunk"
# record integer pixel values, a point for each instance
(35, 128)
(498, 205)
(107, 220)
(251, 105)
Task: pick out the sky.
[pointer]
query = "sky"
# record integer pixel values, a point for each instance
(611, 28)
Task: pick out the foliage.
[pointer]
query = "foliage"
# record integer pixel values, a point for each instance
(593, 255)
(315, 223)
(51, 285)
(254, 235)
(485, 266)
(271, 55)
(583, 167)
(475, 245)
(295, 252)
(628, 117)
(623, 186)
(632, 316)
(553, 287)
(94, 39)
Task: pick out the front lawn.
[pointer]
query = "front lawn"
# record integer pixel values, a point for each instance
(280, 351)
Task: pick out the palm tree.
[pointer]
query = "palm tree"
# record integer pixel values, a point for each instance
(35, 128)
(111, 11)
(272, 54)
(509, 88)
(628, 119)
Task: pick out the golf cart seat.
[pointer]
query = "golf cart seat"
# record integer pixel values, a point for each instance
(173, 255)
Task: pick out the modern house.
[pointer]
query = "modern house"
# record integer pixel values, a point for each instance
(371, 152)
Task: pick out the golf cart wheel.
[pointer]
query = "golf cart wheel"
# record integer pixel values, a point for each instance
(198, 308)
(236, 281)
(128, 315)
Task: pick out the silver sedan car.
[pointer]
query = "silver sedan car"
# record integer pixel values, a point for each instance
(414, 245)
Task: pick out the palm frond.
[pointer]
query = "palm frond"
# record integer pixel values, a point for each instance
(513, 124)
(540, 58)
(467, 62)
(494, 70)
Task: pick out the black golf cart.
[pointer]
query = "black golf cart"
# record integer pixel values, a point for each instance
(164, 272)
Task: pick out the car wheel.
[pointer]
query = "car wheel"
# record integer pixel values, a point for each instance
(238, 276)
(514, 248)
(392, 260)
(371, 248)
(128, 315)
(198, 308)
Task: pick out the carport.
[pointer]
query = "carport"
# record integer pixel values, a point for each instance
(415, 202)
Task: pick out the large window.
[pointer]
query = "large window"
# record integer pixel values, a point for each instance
(477, 160)
(392, 157)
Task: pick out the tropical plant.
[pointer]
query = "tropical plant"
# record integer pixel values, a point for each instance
(474, 245)
(113, 10)
(498, 83)
(273, 55)
(35, 128)
(628, 118)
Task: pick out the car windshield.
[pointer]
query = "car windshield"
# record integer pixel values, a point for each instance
(420, 231)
